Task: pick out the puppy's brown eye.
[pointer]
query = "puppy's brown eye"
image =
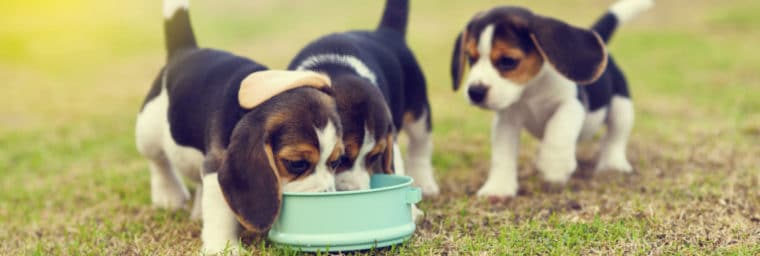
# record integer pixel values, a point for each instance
(297, 167)
(506, 63)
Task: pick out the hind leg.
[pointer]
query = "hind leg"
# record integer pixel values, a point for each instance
(612, 154)
(419, 162)
(151, 132)
(197, 212)
(166, 188)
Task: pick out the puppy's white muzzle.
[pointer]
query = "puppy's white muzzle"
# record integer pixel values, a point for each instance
(352, 180)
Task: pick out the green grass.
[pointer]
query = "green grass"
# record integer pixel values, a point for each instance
(74, 74)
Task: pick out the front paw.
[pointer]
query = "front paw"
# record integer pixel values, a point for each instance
(429, 188)
(617, 163)
(417, 214)
(556, 168)
(197, 213)
(498, 189)
(164, 197)
(425, 181)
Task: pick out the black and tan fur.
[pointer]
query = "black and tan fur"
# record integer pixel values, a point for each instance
(194, 122)
(553, 79)
(380, 90)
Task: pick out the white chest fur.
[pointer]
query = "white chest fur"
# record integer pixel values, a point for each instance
(540, 100)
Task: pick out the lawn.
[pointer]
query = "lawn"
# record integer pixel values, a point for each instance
(74, 74)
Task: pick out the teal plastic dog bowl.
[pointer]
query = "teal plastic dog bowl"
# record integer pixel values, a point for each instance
(348, 220)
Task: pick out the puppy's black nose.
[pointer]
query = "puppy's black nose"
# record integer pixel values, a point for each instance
(477, 92)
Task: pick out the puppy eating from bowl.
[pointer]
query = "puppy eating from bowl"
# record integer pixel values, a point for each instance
(245, 133)
(380, 90)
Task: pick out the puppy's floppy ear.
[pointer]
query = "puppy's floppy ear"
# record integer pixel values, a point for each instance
(458, 60)
(578, 54)
(263, 85)
(249, 179)
(388, 155)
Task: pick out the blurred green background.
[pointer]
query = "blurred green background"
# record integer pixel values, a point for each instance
(73, 75)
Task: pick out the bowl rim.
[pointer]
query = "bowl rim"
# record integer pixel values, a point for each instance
(408, 182)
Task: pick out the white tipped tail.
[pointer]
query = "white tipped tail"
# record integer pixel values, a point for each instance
(171, 6)
(178, 32)
(625, 10)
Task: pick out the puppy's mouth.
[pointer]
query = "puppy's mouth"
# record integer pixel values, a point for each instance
(349, 187)
(482, 96)
(315, 184)
(492, 105)
(312, 189)
(352, 180)
(481, 105)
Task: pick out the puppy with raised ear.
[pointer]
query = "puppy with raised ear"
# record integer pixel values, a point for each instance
(245, 133)
(379, 89)
(553, 79)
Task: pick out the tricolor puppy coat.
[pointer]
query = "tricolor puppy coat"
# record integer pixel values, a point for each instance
(245, 133)
(553, 79)
(379, 89)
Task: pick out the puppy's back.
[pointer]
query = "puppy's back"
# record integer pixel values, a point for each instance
(199, 83)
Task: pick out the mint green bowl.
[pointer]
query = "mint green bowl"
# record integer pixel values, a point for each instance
(348, 220)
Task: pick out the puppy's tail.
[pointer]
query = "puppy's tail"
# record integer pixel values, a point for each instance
(620, 12)
(395, 15)
(178, 32)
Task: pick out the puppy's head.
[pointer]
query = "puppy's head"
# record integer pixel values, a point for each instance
(288, 139)
(506, 48)
(368, 132)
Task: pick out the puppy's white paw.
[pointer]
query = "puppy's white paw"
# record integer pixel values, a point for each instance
(168, 197)
(556, 168)
(197, 212)
(427, 184)
(417, 214)
(498, 189)
(615, 162)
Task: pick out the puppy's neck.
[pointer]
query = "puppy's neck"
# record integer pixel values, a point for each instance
(336, 64)
(335, 71)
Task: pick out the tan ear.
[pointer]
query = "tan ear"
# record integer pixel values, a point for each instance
(263, 85)
(388, 156)
(249, 179)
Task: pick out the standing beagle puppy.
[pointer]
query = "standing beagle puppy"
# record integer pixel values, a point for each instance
(379, 89)
(553, 79)
(245, 133)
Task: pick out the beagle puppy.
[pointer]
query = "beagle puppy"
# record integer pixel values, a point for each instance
(245, 133)
(379, 89)
(553, 79)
